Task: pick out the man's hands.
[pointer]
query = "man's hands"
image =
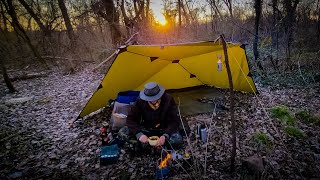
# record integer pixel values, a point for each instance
(161, 140)
(143, 139)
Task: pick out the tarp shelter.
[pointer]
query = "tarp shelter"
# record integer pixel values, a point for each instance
(174, 67)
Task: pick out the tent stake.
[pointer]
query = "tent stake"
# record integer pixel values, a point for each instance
(233, 123)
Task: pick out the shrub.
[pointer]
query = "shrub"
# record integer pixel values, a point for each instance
(307, 117)
(295, 132)
(280, 112)
(290, 120)
(303, 116)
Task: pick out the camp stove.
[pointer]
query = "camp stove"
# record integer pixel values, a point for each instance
(163, 170)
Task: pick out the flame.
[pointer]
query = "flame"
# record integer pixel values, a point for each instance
(164, 162)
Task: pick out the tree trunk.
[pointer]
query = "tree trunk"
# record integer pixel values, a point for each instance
(147, 11)
(179, 11)
(275, 34)
(107, 10)
(290, 7)
(233, 122)
(132, 23)
(6, 78)
(229, 5)
(20, 31)
(214, 7)
(67, 22)
(35, 17)
(318, 25)
(4, 19)
(185, 14)
(257, 7)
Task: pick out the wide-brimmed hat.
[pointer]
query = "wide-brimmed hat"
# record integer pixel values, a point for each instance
(151, 92)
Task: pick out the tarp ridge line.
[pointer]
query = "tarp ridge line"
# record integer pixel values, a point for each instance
(191, 74)
(148, 56)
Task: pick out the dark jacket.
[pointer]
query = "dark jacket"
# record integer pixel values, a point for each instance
(143, 116)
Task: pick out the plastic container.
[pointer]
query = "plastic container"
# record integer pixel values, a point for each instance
(109, 155)
(119, 121)
(204, 135)
(128, 97)
(219, 65)
(198, 130)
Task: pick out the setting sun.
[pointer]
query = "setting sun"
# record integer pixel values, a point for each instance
(161, 20)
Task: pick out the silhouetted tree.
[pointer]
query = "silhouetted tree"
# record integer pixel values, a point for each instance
(67, 22)
(257, 7)
(8, 4)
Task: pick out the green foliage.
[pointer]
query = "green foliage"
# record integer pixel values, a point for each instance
(280, 112)
(303, 115)
(295, 132)
(262, 139)
(287, 80)
(290, 120)
(307, 117)
(283, 114)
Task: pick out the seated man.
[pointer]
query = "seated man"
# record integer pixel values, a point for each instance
(155, 114)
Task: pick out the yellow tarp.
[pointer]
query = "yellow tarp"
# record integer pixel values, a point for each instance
(172, 66)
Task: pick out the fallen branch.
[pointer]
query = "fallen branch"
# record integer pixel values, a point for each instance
(28, 76)
(11, 136)
(64, 58)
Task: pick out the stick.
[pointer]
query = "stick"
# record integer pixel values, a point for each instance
(233, 123)
(11, 136)
(128, 42)
(209, 130)
(64, 58)
(188, 140)
(106, 60)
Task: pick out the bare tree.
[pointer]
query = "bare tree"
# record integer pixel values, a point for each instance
(4, 53)
(4, 19)
(257, 7)
(67, 22)
(147, 10)
(214, 6)
(179, 12)
(131, 23)
(107, 10)
(290, 7)
(185, 13)
(275, 32)
(8, 4)
(228, 3)
(6, 77)
(35, 17)
(318, 9)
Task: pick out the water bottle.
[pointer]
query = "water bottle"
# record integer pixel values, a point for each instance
(198, 130)
(104, 133)
(204, 135)
(219, 65)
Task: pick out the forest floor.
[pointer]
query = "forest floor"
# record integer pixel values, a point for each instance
(37, 141)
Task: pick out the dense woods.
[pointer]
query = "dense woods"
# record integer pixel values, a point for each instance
(65, 42)
(279, 31)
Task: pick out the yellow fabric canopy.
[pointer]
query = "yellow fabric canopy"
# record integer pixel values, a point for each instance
(172, 66)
